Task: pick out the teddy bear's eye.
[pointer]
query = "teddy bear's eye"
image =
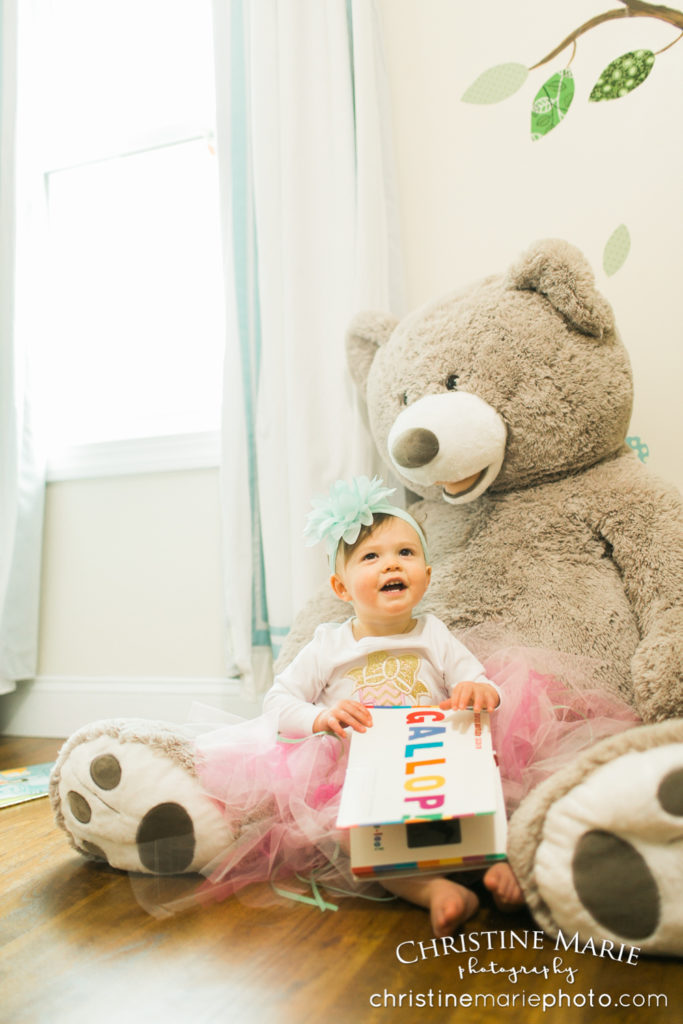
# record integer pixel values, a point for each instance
(452, 382)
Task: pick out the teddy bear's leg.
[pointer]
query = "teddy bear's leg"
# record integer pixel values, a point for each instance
(598, 847)
(126, 792)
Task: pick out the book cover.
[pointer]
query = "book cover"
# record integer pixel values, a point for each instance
(17, 785)
(422, 793)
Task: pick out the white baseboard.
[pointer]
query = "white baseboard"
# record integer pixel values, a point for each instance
(56, 706)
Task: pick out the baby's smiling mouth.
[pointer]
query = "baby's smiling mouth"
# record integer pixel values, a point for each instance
(394, 585)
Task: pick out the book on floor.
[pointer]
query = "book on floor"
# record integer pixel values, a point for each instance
(17, 785)
(422, 793)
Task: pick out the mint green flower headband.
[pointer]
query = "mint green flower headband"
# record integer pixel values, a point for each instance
(349, 505)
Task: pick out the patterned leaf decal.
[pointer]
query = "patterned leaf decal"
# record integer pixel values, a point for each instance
(616, 250)
(552, 103)
(496, 84)
(623, 75)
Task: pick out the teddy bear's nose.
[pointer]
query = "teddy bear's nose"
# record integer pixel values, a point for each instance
(415, 447)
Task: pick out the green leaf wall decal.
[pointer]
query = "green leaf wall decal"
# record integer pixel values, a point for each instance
(616, 250)
(496, 84)
(623, 75)
(551, 103)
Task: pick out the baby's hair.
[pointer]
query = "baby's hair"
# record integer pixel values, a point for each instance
(345, 550)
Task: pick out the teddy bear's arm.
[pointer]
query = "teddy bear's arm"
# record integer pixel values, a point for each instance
(641, 520)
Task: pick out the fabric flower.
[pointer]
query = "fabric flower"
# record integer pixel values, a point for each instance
(349, 505)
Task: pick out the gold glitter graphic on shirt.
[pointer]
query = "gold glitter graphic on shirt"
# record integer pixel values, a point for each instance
(388, 679)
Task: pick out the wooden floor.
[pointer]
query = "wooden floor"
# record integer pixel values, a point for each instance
(77, 946)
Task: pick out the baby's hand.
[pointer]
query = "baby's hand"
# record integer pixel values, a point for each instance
(478, 696)
(346, 712)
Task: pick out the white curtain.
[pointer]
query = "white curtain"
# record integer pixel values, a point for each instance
(311, 237)
(21, 477)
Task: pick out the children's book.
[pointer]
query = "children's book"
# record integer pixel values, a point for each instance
(17, 785)
(422, 793)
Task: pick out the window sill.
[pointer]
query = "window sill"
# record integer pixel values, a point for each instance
(169, 454)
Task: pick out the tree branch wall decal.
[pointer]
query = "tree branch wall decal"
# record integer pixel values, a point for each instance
(553, 100)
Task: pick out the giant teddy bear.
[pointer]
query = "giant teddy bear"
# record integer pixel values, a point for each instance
(504, 407)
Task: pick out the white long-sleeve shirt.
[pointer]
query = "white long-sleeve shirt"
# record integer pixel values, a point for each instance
(420, 667)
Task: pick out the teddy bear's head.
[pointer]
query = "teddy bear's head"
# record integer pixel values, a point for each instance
(517, 379)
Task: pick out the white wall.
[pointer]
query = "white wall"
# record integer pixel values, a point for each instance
(132, 617)
(475, 190)
(132, 570)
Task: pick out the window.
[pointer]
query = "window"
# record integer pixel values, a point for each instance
(132, 336)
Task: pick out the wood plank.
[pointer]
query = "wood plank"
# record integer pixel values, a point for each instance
(77, 945)
(17, 751)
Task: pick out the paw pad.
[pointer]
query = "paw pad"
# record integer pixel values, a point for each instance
(610, 860)
(105, 771)
(93, 851)
(670, 793)
(165, 839)
(605, 867)
(80, 808)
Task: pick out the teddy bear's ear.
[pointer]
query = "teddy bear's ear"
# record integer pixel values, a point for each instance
(367, 332)
(561, 273)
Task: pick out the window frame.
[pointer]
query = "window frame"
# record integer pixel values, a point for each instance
(168, 450)
(164, 453)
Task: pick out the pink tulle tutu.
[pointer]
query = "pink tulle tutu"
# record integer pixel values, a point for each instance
(541, 723)
(281, 797)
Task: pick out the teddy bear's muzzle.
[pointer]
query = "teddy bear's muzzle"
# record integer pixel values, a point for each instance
(453, 441)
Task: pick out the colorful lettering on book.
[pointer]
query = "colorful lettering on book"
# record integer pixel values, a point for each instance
(423, 786)
(424, 783)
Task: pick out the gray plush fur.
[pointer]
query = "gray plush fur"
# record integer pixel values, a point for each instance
(575, 546)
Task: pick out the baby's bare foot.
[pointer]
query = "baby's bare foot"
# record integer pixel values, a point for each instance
(448, 903)
(501, 882)
(450, 906)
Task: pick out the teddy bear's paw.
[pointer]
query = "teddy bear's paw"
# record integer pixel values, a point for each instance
(126, 793)
(660, 657)
(608, 856)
